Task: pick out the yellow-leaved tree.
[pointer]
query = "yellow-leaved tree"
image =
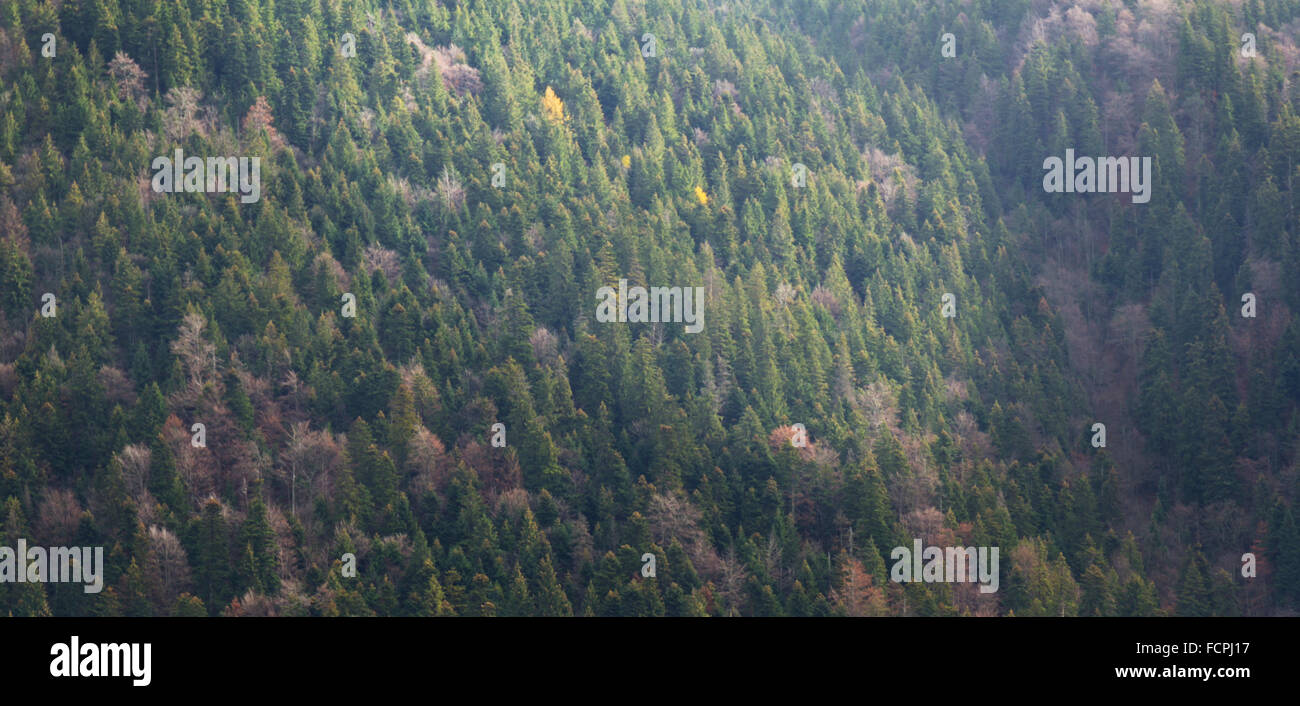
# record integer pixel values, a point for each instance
(553, 106)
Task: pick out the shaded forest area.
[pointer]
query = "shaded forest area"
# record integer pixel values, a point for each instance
(370, 435)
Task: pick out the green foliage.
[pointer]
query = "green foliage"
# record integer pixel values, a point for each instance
(336, 441)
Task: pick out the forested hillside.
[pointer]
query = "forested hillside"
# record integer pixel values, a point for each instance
(444, 188)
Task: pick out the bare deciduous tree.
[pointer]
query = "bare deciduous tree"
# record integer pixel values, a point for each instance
(168, 563)
(198, 356)
(58, 516)
(129, 78)
(259, 118)
(310, 461)
(118, 388)
(544, 344)
(450, 190)
(878, 402)
(134, 461)
(386, 261)
(183, 115)
(731, 582)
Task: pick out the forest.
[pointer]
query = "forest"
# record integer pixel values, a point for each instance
(381, 386)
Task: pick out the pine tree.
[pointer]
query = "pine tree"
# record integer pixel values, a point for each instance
(212, 558)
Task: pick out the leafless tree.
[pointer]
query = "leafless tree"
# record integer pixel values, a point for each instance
(672, 517)
(58, 516)
(168, 563)
(878, 402)
(198, 356)
(427, 462)
(544, 344)
(259, 118)
(450, 190)
(183, 115)
(823, 296)
(924, 523)
(292, 460)
(382, 259)
(731, 582)
(134, 461)
(252, 605)
(118, 388)
(129, 78)
(310, 460)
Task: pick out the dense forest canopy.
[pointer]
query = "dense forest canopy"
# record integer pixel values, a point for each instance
(382, 386)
